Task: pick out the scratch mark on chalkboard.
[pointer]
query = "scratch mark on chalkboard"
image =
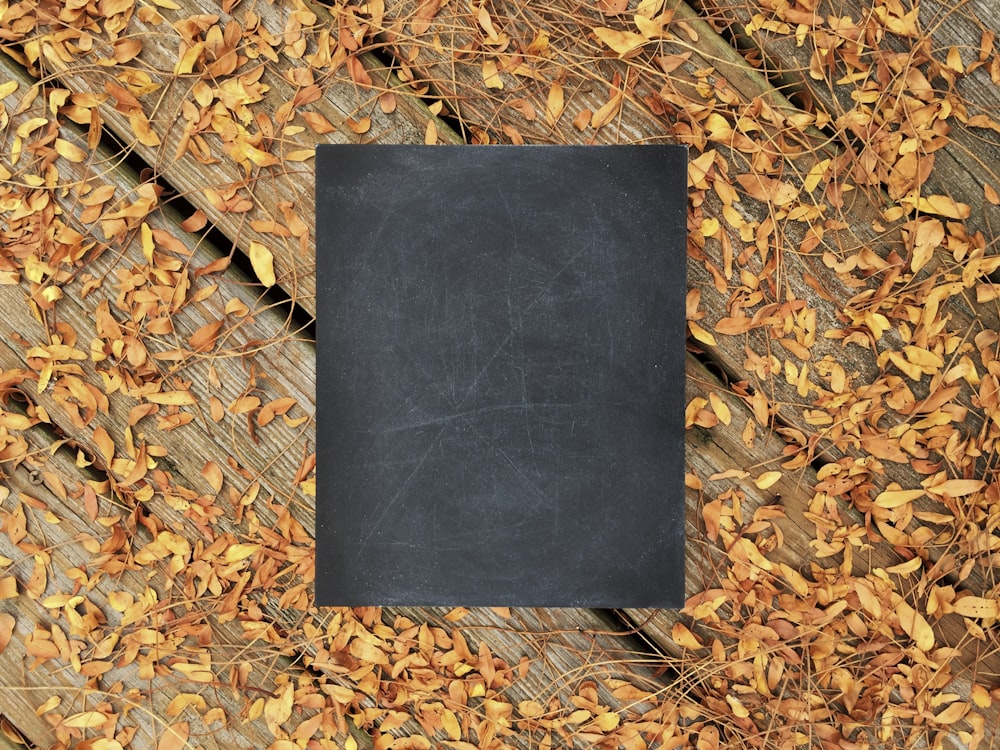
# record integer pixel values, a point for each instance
(517, 327)
(510, 214)
(399, 493)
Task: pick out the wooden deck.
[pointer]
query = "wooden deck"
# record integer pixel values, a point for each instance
(156, 440)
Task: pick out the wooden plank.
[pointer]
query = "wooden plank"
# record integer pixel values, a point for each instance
(964, 155)
(258, 494)
(74, 639)
(803, 581)
(294, 64)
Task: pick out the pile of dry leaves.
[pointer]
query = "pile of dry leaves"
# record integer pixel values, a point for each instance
(157, 384)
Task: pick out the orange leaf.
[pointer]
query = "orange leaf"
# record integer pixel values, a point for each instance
(175, 737)
(555, 103)
(6, 629)
(358, 72)
(317, 123)
(104, 443)
(423, 16)
(684, 638)
(205, 337)
(768, 189)
(8, 588)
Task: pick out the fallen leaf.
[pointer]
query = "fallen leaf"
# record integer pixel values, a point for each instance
(263, 263)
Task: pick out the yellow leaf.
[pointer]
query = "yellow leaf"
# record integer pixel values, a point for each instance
(182, 701)
(451, 726)
(976, 606)
(894, 498)
(957, 487)
(172, 398)
(608, 721)
(720, 408)
(816, 173)
(147, 242)
(767, 479)
(7, 88)
(701, 334)
(942, 205)
(238, 552)
(86, 720)
(915, 626)
(954, 60)
(491, 76)
(530, 709)
(621, 42)
(953, 713)
(607, 113)
(70, 151)
(277, 710)
(923, 358)
(27, 127)
(263, 263)
(905, 568)
(739, 710)
(51, 703)
(709, 226)
(795, 579)
(981, 696)
(367, 652)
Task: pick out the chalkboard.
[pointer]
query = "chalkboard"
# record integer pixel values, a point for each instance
(500, 393)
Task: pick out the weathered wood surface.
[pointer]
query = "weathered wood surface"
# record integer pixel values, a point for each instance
(241, 190)
(288, 369)
(284, 369)
(830, 71)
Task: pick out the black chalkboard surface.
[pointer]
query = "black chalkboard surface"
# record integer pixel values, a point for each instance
(500, 397)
